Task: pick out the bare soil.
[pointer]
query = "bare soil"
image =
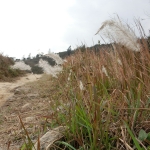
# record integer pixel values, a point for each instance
(7, 87)
(22, 99)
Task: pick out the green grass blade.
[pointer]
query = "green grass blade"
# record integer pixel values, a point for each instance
(133, 138)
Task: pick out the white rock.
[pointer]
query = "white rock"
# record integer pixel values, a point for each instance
(50, 137)
(32, 95)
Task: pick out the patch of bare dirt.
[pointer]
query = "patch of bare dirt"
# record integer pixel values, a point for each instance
(7, 87)
(21, 99)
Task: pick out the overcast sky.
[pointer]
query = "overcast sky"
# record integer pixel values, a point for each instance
(33, 26)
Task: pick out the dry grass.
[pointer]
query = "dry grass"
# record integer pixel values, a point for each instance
(7, 73)
(106, 93)
(11, 129)
(102, 97)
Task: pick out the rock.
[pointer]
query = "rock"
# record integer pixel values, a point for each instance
(25, 89)
(50, 137)
(29, 119)
(11, 99)
(32, 95)
(17, 91)
(26, 107)
(20, 90)
(15, 88)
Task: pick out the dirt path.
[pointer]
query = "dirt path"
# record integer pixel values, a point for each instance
(7, 87)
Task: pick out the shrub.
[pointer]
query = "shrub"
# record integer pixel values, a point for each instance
(37, 70)
(7, 73)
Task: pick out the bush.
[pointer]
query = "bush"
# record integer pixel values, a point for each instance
(37, 70)
(6, 73)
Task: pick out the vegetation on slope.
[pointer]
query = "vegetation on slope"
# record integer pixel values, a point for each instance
(106, 95)
(6, 72)
(104, 98)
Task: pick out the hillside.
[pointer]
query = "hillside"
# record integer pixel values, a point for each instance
(6, 72)
(99, 100)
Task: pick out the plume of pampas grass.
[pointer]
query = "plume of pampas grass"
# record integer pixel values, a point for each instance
(81, 85)
(117, 32)
(48, 69)
(55, 57)
(69, 75)
(119, 61)
(104, 71)
(21, 65)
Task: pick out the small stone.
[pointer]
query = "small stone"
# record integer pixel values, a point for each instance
(20, 90)
(29, 119)
(17, 91)
(26, 107)
(40, 104)
(32, 95)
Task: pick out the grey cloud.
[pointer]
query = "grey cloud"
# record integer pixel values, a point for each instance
(88, 16)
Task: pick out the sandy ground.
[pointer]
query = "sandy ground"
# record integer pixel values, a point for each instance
(26, 107)
(7, 87)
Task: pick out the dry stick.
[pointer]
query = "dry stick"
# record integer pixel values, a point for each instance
(25, 131)
(141, 143)
(124, 140)
(8, 146)
(126, 144)
(133, 122)
(38, 144)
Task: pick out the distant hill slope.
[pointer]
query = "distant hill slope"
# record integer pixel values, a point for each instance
(95, 48)
(6, 72)
(51, 62)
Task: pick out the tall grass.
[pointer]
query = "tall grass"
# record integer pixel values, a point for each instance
(105, 98)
